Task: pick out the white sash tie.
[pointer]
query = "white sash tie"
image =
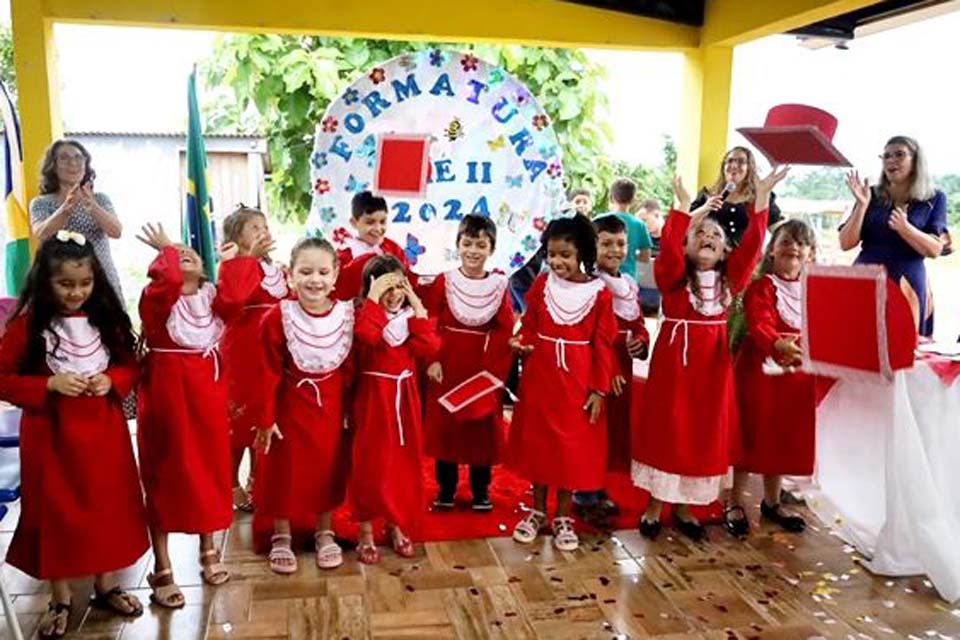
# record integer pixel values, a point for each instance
(313, 383)
(560, 345)
(398, 378)
(212, 352)
(678, 322)
(472, 332)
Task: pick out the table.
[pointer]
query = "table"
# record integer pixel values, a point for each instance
(888, 473)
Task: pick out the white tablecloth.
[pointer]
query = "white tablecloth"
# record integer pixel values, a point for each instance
(888, 474)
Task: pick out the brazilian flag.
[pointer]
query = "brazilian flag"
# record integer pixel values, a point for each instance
(197, 224)
(18, 250)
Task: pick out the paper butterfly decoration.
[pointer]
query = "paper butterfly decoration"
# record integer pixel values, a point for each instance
(355, 186)
(413, 250)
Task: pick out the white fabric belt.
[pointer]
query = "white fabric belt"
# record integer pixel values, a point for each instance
(398, 378)
(206, 353)
(560, 345)
(313, 382)
(678, 322)
(472, 332)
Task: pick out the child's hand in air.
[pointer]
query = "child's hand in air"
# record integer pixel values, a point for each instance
(67, 384)
(154, 236)
(419, 311)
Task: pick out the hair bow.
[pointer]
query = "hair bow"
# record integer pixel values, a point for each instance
(71, 236)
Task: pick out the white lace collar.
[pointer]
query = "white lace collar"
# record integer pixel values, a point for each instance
(711, 301)
(192, 323)
(274, 280)
(397, 330)
(318, 344)
(626, 305)
(360, 248)
(74, 346)
(474, 302)
(789, 304)
(569, 302)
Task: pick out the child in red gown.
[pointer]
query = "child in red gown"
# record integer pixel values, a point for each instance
(368, 217)
(67, 360)
(777, 403)
(183, 434)
(684, 447)
(258, 291)
(391, 333)
(304, 448)
(475, 320)
(557, 437)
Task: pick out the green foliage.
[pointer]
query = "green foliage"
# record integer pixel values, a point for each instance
(828, 183)
(950, 185)
(656, 183)
(6, 61)
(281, 85)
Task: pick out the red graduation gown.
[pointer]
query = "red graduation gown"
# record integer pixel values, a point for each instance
(305, 473)
(183, 434)
(690, 421)
(552, 440)
(243, 315)
(386, 480)
(777, 412)
(349, 280)
(81, 506)
(464, 352)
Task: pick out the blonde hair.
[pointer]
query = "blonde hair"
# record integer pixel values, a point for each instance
(234, 223)
(747, 187)
(921, 187)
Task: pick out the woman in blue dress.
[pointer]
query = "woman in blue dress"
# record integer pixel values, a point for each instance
(899, 223)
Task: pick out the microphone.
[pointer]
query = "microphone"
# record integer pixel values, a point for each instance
(728, 188)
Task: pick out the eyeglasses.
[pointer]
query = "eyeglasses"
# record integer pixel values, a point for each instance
(740, 162)
(66, 160)
(891, 155)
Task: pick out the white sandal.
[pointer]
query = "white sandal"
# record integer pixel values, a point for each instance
(329, 555)
(282, 558)
(564, 537)
(528, 529)
(214, 573)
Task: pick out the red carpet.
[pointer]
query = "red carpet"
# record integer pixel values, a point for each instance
(507, 492)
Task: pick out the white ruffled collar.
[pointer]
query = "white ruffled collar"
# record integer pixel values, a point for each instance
(192, 324)
(570, 302)
(474, 302)
(397, 329)
(274, 280)
(789, 301)
(74, 346)
(360, 248)
(626, 304)
(713, 300)
(317, 344)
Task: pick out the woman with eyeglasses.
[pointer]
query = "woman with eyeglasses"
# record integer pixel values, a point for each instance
(899, 222)
(67, 201)
(739, 171)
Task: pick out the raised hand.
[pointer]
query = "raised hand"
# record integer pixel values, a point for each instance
(228, 251)
(713, 203)
(263, 245)
(681, 193)
(154, 236)
(381, 284)
(766, 184)
(859, 189)
(416, 303)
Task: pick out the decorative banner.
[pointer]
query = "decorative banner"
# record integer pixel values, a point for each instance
(493, 152)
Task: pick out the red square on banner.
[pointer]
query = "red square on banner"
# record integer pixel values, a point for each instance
(402, 166)
(856, 323)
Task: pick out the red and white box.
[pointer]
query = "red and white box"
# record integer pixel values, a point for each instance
(474, 398)
(402, 166)
(856, 323)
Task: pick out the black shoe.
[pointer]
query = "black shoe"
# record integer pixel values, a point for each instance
(737, 527)
(443, 503)
(649, 529)
(693, 530)
(794, 524)
(482, 504)
(788, 498)
(608, 508)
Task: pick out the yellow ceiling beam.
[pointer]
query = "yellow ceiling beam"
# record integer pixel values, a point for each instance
(732, 22)
(529, 22)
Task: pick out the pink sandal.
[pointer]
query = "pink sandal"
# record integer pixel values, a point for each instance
(402, 545)
(329, 555)
(282, 558)
(367, 553)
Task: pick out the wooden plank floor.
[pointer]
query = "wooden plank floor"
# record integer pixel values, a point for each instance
(616, 586)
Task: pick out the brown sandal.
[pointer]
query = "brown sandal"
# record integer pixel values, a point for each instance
(214, 573)
(108, 602)
(55, 611)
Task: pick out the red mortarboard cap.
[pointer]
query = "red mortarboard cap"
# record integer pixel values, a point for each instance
(797, 134)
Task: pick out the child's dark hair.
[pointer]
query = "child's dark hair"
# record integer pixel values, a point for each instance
(609, 224)
(312, 243)
(474, 226)
(623, 191)
(234, 223)
(579, 231)
(364, 203)
(104, 308)
(721, 268)
(378, 266)
(795, 229)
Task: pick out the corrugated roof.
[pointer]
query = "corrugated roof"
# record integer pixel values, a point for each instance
(161, 134)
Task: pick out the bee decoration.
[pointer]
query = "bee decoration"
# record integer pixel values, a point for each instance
(454, 130)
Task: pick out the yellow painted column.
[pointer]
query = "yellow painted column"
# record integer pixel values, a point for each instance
(38, 86)
(707, 73)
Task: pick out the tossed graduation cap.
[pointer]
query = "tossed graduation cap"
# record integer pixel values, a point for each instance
(797, 134)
